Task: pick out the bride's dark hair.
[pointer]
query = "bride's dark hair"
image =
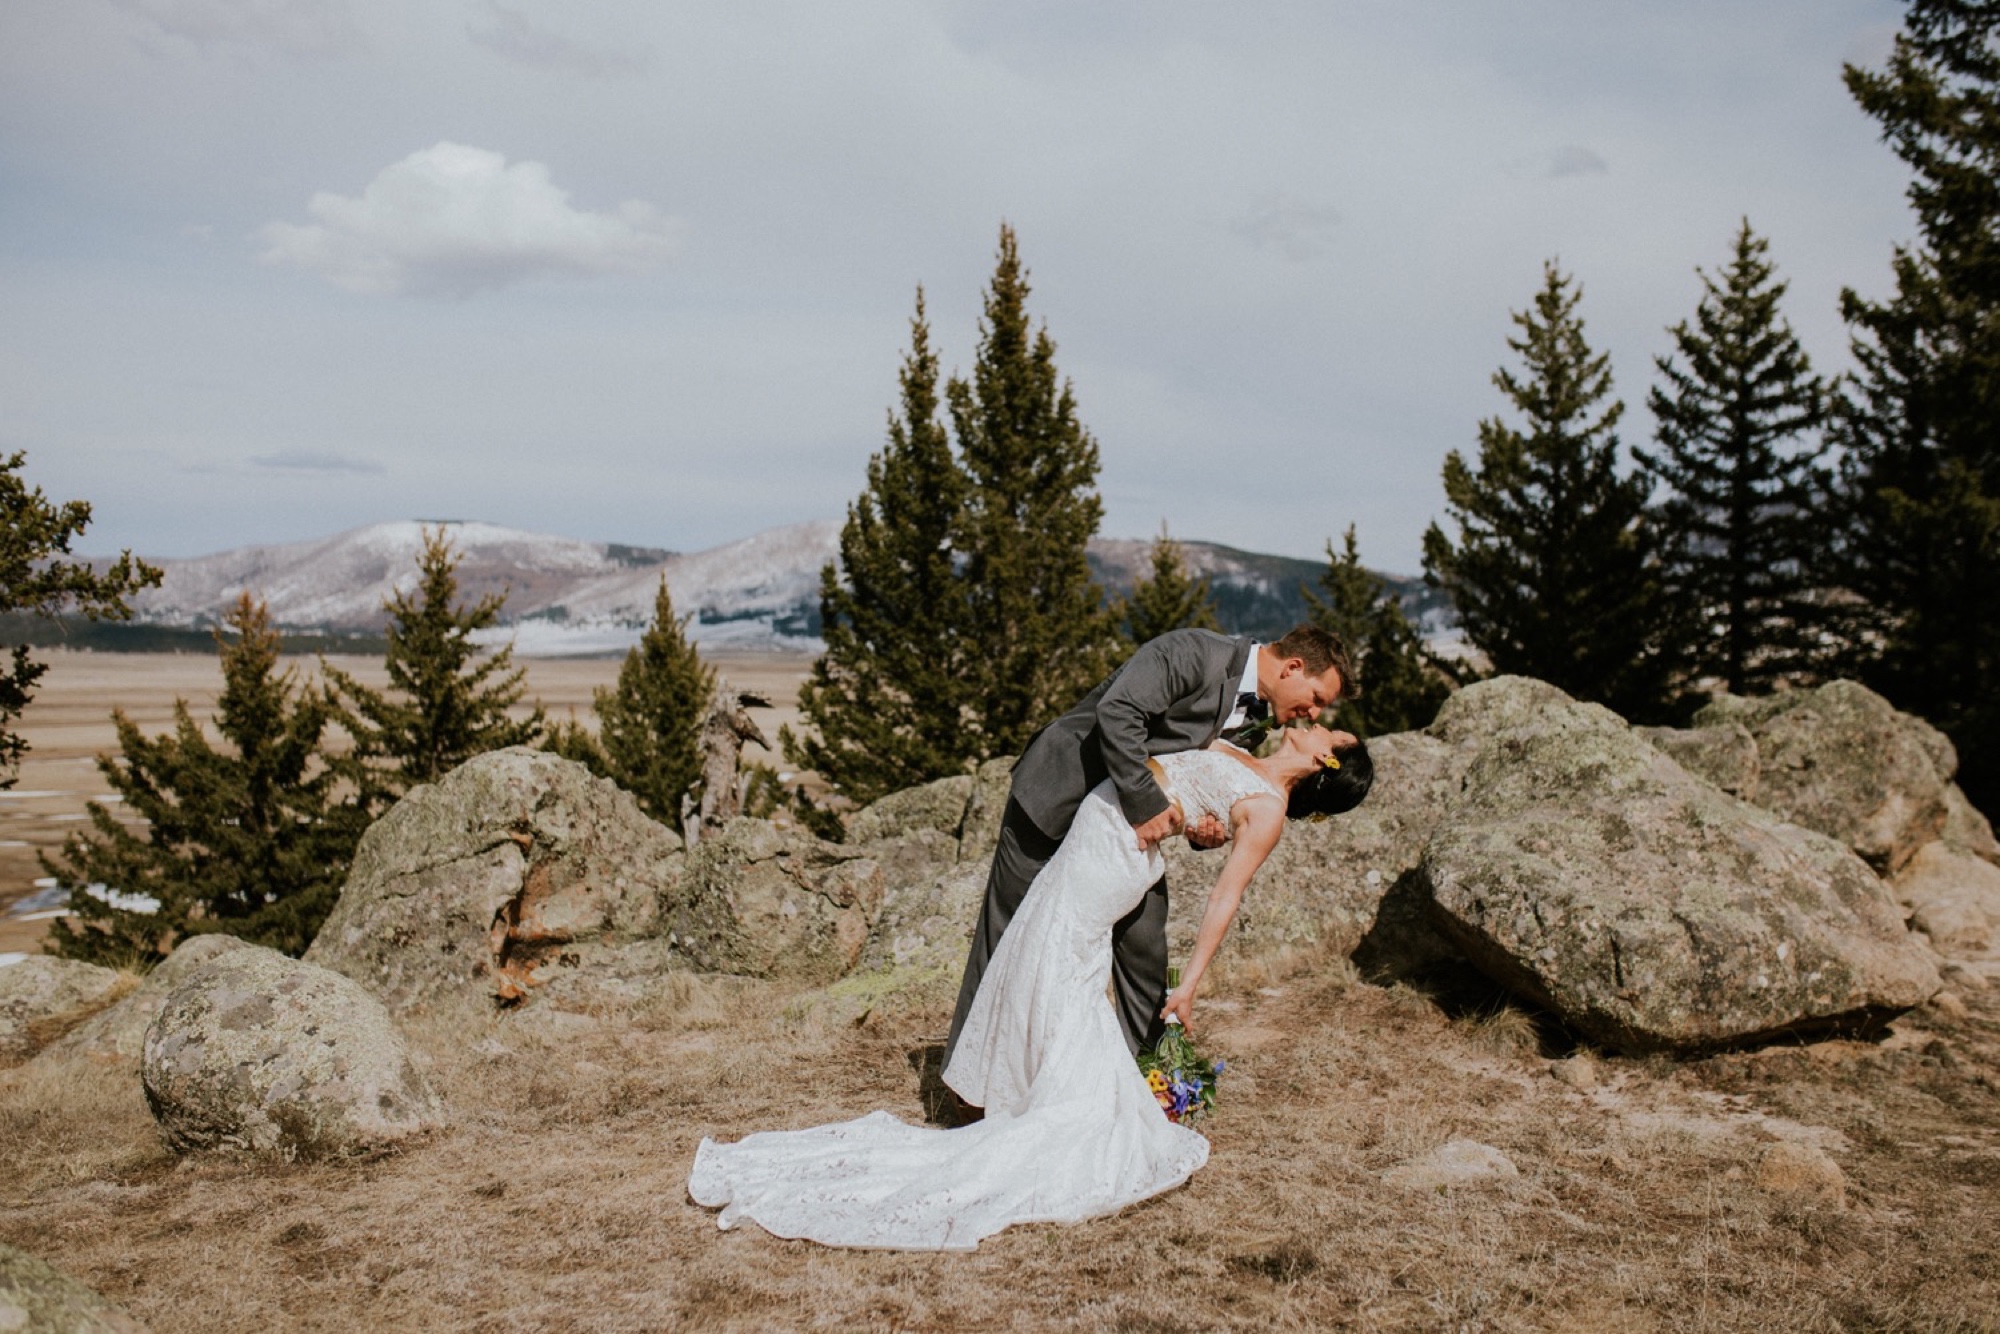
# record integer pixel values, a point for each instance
(1325, 792)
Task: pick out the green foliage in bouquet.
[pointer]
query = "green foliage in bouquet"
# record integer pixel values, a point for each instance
(1182, 1079)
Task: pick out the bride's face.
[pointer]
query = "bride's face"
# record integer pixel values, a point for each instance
(1316, 743)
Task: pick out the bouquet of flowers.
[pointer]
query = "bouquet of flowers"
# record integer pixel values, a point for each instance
(1180, 1076)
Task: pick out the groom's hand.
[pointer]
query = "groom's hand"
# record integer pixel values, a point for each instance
(1164, 825)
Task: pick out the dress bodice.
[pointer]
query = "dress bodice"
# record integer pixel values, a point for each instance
(1208, 782)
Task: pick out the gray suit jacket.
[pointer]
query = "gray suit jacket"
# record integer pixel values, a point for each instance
(1174, 694)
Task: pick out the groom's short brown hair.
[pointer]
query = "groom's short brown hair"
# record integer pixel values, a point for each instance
(1319, 649)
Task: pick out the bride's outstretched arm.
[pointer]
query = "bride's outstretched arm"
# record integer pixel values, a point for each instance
(1261, 820)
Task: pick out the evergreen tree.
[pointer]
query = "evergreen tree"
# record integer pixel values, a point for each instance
(1039, 634)
(1742, 514)
(651, 721)
(35, 535)
(887, 699)
(1920, 468)
(1169, 598)
(1401, 684)
(451, 707)
(248, 839)
(1552, 573)
(569, 738)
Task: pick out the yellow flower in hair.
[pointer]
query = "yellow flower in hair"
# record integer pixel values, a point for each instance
(1330, 761)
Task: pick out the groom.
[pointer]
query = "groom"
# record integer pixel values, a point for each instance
(1178, 692)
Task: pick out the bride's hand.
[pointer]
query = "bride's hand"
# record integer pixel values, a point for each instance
(1180, 1003)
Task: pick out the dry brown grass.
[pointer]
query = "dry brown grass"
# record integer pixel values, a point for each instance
(557, 1201)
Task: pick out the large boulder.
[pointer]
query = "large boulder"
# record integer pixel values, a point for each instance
(979, 832)
(771, 901)
(42, 997)
(1725, 754)
(1966, 829)
(1953, 897)
(925, 921)
(513, 863)
(936, 807)
(1842, 760)
(37, 1298)
(258, 1051)
(1585, 869)
(119, 1032)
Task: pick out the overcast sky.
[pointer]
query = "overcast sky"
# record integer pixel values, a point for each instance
(635, 271)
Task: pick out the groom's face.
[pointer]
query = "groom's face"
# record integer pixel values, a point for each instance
(1295, 695)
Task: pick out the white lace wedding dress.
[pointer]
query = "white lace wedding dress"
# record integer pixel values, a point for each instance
(1071, 1130)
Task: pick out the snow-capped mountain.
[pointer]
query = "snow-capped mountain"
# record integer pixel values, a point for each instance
(568, 597)
(563, 596)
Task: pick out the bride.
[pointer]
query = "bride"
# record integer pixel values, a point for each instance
(1071, 1129)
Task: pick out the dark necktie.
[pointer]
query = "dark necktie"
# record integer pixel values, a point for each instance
(1256, 721)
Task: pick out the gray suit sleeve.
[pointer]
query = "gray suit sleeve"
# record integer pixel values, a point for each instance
(1163, 672)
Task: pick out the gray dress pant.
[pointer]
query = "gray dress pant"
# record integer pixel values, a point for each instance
(1138, 941)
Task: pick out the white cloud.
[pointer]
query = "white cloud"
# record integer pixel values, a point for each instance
(514, 36)
(312, 28)
(1293, 227)
(453, 220)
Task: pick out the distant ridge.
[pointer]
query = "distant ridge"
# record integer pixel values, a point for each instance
(567, 597)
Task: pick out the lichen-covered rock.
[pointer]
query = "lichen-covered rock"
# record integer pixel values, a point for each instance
(1842, 760)
(774, 902)
(119, 1033)
(1342, 884)
(979, 834)
(1725, 754)
(1586, 870)
(1953, 897)
(42, 997)
(37, 1298)
(258, 1051)
(925, 922)
(513, 863)
(1966, 829)
(936, 807)
(1472, 717)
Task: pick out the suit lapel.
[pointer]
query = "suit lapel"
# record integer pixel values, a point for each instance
(1225, 695)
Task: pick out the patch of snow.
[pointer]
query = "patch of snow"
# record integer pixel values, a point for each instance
(139, 903)
(10, 958)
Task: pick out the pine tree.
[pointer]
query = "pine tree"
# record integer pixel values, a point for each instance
(1169, 598)
(1039, 634)
(569, 738)
(1401, 684)
(651, 720)
(451, 707)
(249, 839)
(1742, 514)
(1920, 468)
(887, 699)
(1552, 573)
(35, 535)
